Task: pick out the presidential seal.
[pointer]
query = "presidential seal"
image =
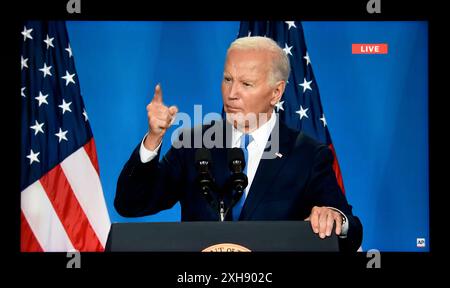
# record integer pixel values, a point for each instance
(226, 247)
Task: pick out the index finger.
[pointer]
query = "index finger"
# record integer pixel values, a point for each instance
(157, 97)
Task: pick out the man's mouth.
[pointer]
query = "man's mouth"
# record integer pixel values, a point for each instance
(232, 108)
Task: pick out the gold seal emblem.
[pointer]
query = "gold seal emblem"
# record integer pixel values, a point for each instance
(226, 247)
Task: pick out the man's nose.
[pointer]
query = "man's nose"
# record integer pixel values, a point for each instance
(234, 91)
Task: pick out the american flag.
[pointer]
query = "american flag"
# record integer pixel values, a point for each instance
(300, 107)
(62, 202)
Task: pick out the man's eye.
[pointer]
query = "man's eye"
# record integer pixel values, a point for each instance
(227, 79)
(246, 84)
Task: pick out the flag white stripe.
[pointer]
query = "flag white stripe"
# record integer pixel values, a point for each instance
(43, 220)
(86, 186)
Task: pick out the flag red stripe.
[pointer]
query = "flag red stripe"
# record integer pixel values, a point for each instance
(28, 242)
(92, 153)
(69, 211)
(337, 169)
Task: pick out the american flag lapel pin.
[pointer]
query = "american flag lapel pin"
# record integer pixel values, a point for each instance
(279, 155)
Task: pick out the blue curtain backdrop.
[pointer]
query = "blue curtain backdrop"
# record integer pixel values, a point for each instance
(376, 106)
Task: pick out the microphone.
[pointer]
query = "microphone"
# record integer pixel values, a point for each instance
(203, 163)
(238, 180)
(236, 162)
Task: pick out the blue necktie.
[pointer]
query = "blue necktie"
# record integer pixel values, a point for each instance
(246, 139)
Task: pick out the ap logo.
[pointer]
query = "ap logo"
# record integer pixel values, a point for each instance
(421, 243)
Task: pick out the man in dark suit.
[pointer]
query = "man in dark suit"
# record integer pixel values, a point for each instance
(293, 180)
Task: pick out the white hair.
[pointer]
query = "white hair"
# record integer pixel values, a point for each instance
(280, 67)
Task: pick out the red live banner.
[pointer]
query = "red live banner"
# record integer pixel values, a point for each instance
(370, 48)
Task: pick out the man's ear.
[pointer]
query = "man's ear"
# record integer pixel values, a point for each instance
(277, 92)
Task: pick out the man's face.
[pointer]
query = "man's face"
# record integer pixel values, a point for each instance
(245, 87)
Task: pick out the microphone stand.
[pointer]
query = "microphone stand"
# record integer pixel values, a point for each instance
(222, 210)
(219, 204)
(236, 197)
(208, 186)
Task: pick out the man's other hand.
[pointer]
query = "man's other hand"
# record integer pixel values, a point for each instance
(322, 220)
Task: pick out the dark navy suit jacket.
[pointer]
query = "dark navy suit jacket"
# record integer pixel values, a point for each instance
(283, 188)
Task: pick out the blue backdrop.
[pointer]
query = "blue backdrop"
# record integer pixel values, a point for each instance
(376, 106)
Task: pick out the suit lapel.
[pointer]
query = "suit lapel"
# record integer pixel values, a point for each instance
(267, 171)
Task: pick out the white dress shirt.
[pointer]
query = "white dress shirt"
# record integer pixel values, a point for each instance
(255, 148)
(145, 154)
